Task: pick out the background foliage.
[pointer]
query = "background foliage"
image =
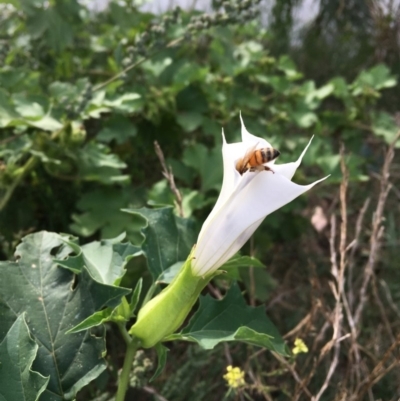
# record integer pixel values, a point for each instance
(83, 96)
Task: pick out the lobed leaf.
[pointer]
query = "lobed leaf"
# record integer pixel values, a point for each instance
(230, 319)
(168, 238)
(17, 353)
(55, 300)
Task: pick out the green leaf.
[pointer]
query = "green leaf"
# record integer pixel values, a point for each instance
(384, 125)
(304, 119)
(96, 319)
(374, 79)
(17, 353)
(381, 78)
(168, 238)
(231, 268)
(230, 319)
(120, 314)
(240, 261)
(105, 260)
(157, 67)
(287, 65)
(189, 120)
(340, 87)
(118, 128)
(258, 282)
(135, 296)
(127, 102)
(208, 163)
(7, 112)
(47, 123)
(189, 72)
(101, 210)
(162, 360)
(30, 106)
(54, 301)
(97, 164)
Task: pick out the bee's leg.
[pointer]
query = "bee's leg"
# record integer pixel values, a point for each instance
(266, 168)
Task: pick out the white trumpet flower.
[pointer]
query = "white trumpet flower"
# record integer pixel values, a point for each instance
(243, 203)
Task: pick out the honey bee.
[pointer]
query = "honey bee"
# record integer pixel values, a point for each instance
(254, 159)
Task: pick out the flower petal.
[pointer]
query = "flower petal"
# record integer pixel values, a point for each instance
(288, 169)
(232, 226)
(250, 139)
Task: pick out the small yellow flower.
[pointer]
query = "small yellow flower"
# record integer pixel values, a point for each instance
(234, 377)
(299, 346)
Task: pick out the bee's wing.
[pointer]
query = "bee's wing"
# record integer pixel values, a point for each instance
(247, 155)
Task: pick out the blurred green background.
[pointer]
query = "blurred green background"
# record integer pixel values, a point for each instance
(84, 93)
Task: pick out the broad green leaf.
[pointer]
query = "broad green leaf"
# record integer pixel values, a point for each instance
(127, 102)
(96, 163)
(101, 210)
(17, 353)
(189, 72)
(168, 238)
(189, 120)
(161, 360)
(376, 78)
(208, 163)
(384, 125)
(324, 91)
(328, 163)
(7, 320)
(47, 123)
(258, 282)
(118, 128)
(340, 88)
(7, 111)
(157, 67)
(61, 90)
(30, 106)
(105, 260)
(120, 314)
(287, 65)
(381, 77)
(54, 301)
(230, 319)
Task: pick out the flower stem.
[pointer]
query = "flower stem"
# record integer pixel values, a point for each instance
(126, 369)
(124, 333)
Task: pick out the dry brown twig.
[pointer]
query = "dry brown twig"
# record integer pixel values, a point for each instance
(167, 173)
(379, 370)
(292, 370)
(377, 230)
(354, 247)
(337, 287)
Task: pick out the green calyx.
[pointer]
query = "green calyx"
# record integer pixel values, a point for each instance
(163, 314)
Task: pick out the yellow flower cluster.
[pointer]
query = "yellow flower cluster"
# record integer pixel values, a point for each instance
(299, 346)
(234, 377)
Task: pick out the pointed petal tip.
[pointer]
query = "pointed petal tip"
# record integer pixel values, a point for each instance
(241, 118)
(223, 136)
(320, 180)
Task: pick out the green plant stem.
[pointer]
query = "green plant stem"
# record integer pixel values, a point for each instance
(126, 369)
(124, 332)
(29, 165)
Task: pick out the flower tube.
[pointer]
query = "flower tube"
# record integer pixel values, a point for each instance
(244, 201)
